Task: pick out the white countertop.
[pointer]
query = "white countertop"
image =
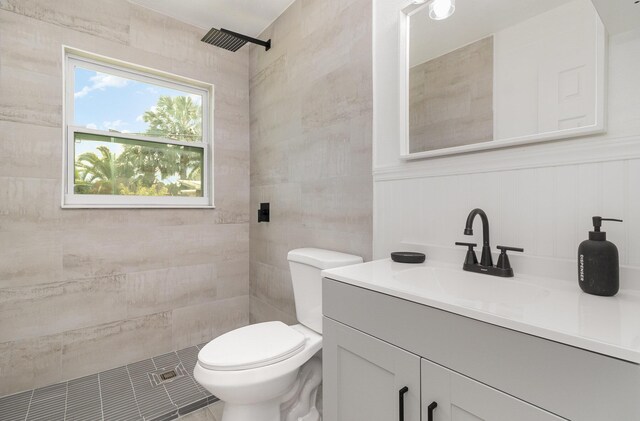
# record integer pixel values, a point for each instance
(549, 308)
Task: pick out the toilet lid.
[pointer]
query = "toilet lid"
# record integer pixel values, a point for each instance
(251, 347)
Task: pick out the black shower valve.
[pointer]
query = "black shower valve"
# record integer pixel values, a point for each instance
(263, 212)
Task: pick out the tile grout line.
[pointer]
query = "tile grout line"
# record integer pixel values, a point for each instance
(29, 406)
(135, 398)
(165, 387)
(100, 394)
(26, 416)
(66, 399)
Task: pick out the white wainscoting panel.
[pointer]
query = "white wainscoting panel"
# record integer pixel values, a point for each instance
(545, 210)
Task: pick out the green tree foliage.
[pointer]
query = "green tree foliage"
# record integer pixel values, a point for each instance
(178, 118)
(143, 170)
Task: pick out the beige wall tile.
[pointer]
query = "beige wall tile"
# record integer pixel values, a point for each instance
(273, 286)
(165, 289)
(42, 310)
(202, 322)
(451, 98)
(30, 363)
(111, 345)
(263, 312)
(107, 19)
(232, 276)
(39, 157)
(29, 204)
(311, 114)
(30, 97)
(30, 258)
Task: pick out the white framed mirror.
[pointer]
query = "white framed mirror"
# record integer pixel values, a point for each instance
(500, 73)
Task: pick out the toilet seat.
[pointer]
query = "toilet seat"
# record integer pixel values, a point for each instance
(252, 347)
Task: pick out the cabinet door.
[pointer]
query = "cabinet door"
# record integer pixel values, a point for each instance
(363, 377)
(460, 398)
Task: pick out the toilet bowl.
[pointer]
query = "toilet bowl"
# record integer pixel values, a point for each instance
(254, 369)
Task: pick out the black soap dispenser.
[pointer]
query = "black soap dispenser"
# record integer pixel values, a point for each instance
(598, 267)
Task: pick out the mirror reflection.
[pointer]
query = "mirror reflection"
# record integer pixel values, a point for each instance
(503, 70)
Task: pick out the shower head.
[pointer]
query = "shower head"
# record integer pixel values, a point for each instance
(230, 40)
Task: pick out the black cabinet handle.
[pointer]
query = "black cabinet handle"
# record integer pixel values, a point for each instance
(430, 409)
(401, 402)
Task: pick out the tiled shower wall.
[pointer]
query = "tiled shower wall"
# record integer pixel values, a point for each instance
(311, 116)
(83, 291)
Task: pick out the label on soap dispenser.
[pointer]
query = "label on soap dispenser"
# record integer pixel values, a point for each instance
(582, 268)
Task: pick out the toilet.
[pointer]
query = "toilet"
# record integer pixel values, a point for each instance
(256, 369)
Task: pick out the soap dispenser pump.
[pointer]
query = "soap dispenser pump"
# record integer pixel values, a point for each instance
(598, 267)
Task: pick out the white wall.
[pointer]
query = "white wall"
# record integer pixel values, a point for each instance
(547, 65)
(540, 197)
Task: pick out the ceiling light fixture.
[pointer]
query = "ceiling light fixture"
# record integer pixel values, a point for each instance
(440, 9)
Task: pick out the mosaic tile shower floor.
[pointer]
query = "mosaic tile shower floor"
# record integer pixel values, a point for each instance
(128, 393)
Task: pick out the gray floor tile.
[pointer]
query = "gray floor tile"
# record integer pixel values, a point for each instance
(153, 401)
(54, 390)
(118, 399)
(182, 391)
(15, 407)
(185, 394)
(166, 417)
(51, 409)
(166, 360)
(83, 399)
(188, 357)
(122, 394)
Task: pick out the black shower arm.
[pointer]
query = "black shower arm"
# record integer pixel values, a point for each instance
(265, 44)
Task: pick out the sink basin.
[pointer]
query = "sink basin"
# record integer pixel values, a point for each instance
(474, 289)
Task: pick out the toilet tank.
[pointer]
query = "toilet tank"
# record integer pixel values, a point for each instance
(305, 265)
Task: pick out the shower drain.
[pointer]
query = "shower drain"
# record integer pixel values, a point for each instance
(166, 374)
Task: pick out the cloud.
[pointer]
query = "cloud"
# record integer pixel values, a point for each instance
(92, 126)
(101, 81)
(114, 125)
(140, 118)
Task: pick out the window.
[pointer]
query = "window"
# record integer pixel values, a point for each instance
(135, 137)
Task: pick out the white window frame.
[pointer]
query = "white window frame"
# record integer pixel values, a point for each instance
(73, 58)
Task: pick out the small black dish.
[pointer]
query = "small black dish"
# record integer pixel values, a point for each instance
(407, 257)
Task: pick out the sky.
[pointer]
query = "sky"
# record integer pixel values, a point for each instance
(107, 102)
(104, 101)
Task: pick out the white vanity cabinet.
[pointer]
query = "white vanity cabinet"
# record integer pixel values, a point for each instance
(460, 398)
(375, 381)
(375, 344)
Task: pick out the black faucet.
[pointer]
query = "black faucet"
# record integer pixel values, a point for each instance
(486, 259)
(503, 268)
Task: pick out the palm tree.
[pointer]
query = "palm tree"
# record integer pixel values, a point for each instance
(98, 171)
(80, 185)
(178, 118)
(139, 168)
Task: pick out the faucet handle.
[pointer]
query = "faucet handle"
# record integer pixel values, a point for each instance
(503, 259)
(470, 245)
(505, 249)
(471, 258)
